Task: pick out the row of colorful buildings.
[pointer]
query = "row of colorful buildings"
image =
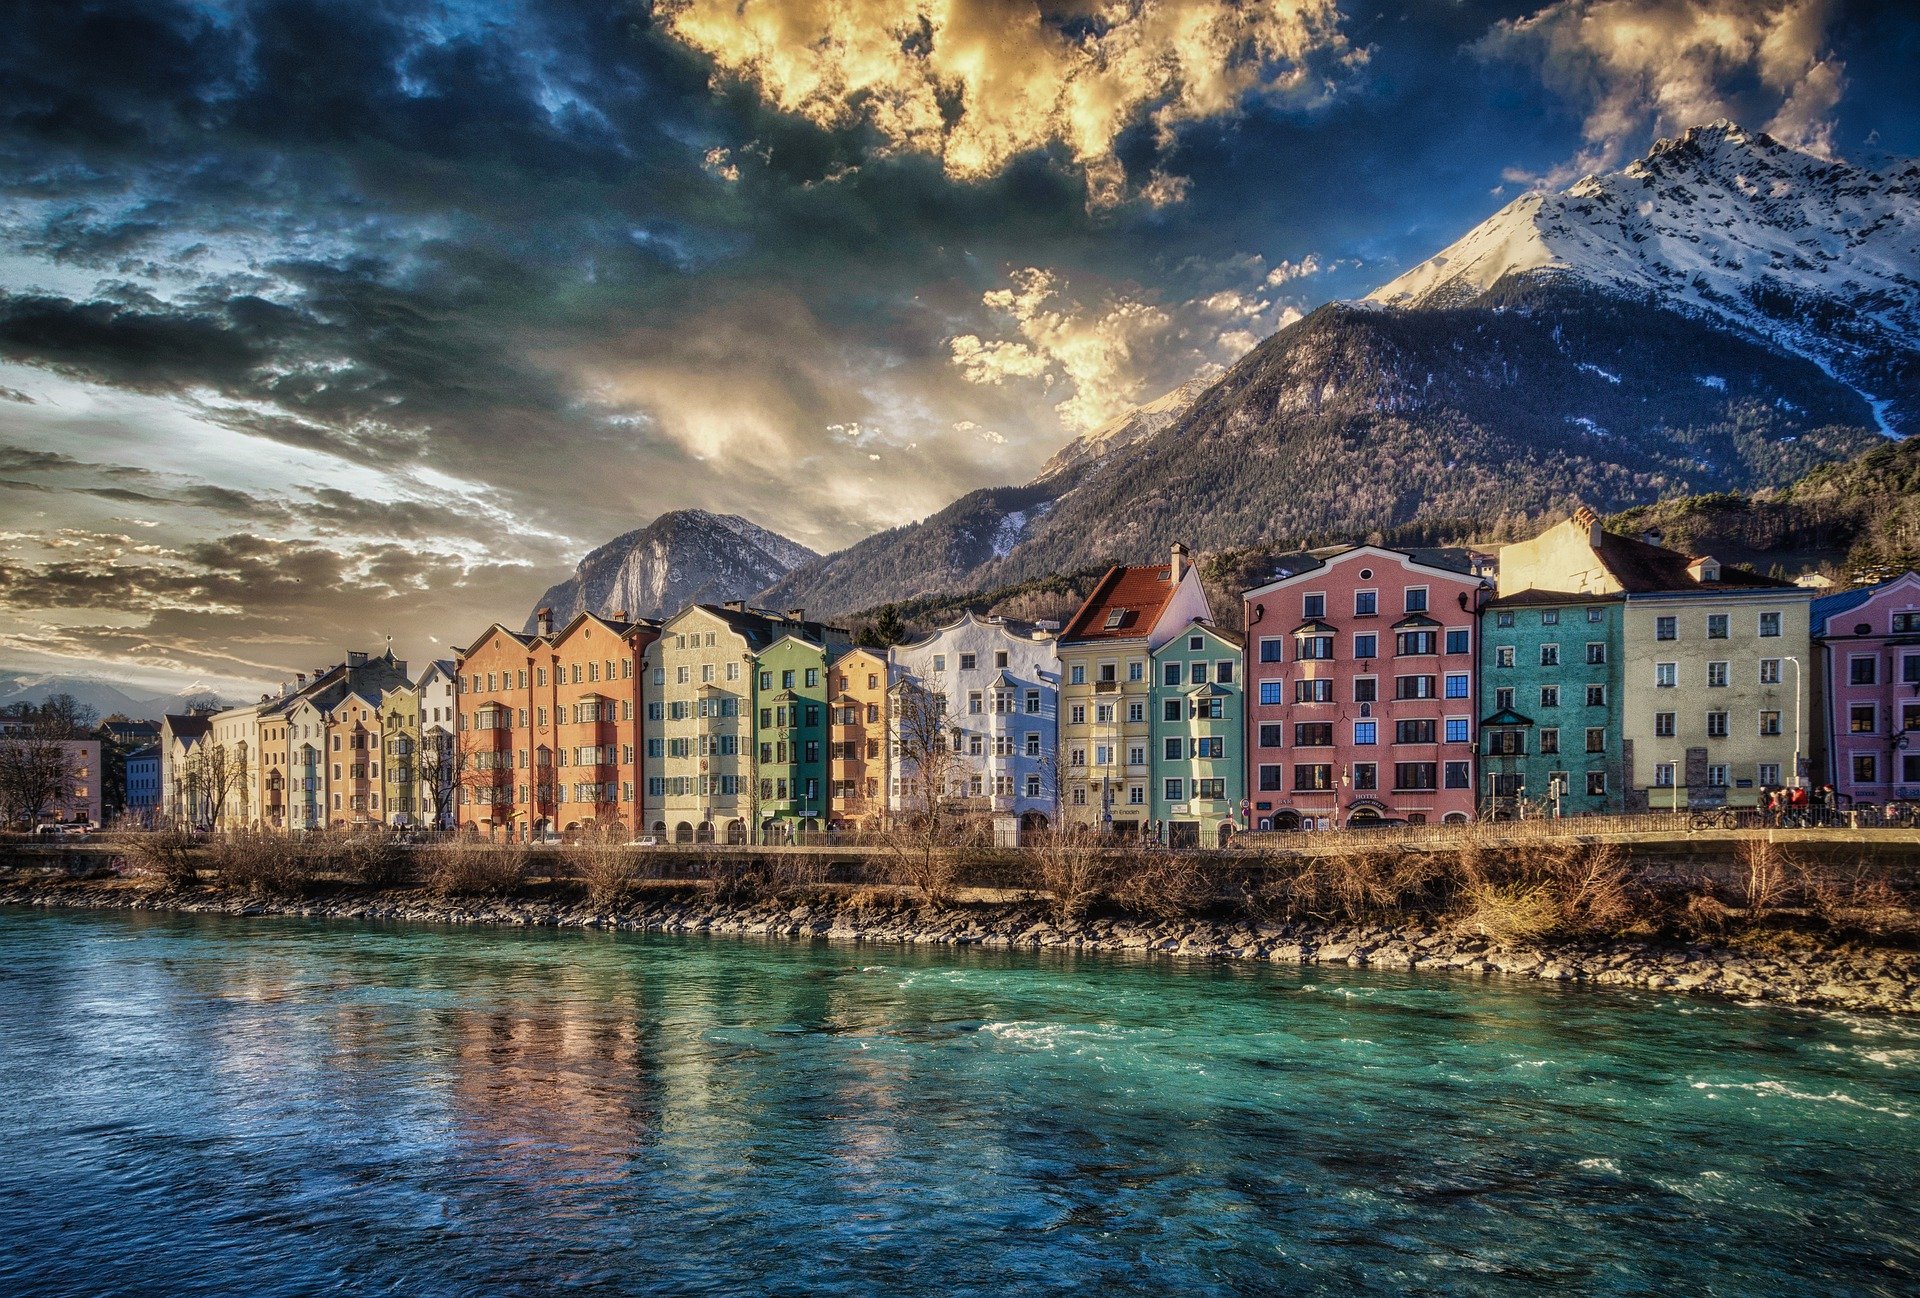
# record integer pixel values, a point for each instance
(1577, 672)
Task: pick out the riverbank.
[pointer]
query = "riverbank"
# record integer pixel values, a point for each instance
(1777, 966)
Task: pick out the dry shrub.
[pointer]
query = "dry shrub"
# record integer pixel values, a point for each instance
(1354, 883)
(1165, 885)
(467, 867)
(610, 870)
(169, 854)
(261, 864)
(1545, 889)
(1766, 877)
(376, 859)
(1073, 868)
(1703, 915)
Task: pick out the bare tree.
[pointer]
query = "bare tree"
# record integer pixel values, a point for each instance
(486, 774)
(1072, 863)
(217, 772)
(440, 764)
(35, 772)
(939, 820)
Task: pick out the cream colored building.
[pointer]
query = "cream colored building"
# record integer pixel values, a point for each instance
(232, 751)
(1715, 697)
(1106, 689)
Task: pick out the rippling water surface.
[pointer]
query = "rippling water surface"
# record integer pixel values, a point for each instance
(216, 1106)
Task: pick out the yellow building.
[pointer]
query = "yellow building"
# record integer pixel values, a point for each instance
(1106, 690)
(1714, 696)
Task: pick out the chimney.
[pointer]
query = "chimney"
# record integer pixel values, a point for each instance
(1651, 536)
(301, 680)
(795, 615)
(620, 615)
(356, 658)
(544, 621)
(1178, 566)
(735, 606)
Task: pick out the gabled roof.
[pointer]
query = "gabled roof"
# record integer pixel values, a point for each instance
(1013, 627)
(1416, 621)
(760, 628)
(1828, 607)
(1538, 598)
(188, 726)
(501, 628)
(1315, 626)
(620, 627)
(1507, 717)
(1643, 569)
(1124, 605)
(1208, 691)
(1448, 561)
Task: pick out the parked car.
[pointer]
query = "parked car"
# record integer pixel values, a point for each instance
(646, 840)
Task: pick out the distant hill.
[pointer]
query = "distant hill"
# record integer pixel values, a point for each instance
(104, 698)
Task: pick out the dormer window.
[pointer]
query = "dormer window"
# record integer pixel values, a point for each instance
(1115, 616)
(1705, 569)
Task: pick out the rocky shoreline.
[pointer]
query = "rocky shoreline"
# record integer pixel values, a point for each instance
(1799, 973)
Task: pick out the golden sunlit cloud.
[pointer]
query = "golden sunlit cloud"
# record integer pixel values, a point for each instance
(976, 83)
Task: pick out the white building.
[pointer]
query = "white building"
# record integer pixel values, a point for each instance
(1001, 683)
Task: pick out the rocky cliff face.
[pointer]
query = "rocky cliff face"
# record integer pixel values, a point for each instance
(1722, 315)
(684, 557)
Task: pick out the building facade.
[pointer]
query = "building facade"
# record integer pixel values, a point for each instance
(496, 784)
(143, 785)
(1000, 680)
(1363, 690)
(1199, 732)
(433, 770)
(1551, 738)
(1867, 651)
(1106, 690)
(1714, 697)
(399, 765)
(859, 758)
(790, 735)
(588, 682)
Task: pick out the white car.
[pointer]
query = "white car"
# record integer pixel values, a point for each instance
(646, 841)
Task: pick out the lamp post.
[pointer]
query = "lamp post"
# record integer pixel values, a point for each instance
(1799, 682)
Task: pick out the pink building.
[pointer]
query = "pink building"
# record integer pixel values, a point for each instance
(1867, 644)
(1362, 688)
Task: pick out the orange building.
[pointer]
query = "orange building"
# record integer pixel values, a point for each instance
(857, 753)
(492, 753)
(585, 734)
(353, 753)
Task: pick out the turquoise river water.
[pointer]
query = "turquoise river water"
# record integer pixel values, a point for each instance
(276, 1107)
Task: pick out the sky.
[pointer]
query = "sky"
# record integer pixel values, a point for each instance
(328, 322)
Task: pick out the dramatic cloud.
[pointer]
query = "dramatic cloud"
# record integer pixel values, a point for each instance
(1638, 66)
(976, 83)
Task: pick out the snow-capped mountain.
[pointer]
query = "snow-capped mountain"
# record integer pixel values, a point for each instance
(1817, 257)
(683, 557)
(1130, 428)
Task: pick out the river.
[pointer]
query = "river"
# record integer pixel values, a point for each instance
(201, 1105)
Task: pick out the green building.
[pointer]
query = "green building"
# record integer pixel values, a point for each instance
(790, 737)
(1551, 671)
(1198, 707)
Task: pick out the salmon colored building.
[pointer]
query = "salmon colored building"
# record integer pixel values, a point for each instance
(857, 750)
(585, 726)
(1362, 689)
(493, 754)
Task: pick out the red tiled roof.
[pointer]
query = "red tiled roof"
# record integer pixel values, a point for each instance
(1139, 593)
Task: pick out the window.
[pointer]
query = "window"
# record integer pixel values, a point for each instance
(1459, 775)
(1197, 675)
(1313, 734)
(1596, 615)
(1033, 705)
(1596, 739)
(1666, 676)
(1549, 655)
(1366, 689)
(1414, 775)
(1503, 656)
(1270, 692)
(1507, 743)
(1663, 773)
(1136, 712)
(1717, 776)
(1549, 696)
(1716, 725)
(1459, 642)
(1366, 775)
(1596, 784)
(1313, 777)
(1270, 736)
(1769, 721)
(1315, 691)
(1866, 768)
(1459, 685)
(1136, 670)
(1366, 646)
(1863, 671)
(1550, 740)
(1269, 779)
(1364, 732)
(1170, 748)
(1271, 651)
(1413, 642)
(1313, 606)
(1366, 603)
(1666, 628)
(1768, 774)
(1717, 675)
(1596, 653)
(1770, 671)
(1313, 647)
(1416, 599)
(1716, 626)
(1174, 790)
(1770, 624)
(1596, 696)
(1503, 619)
(1413, 687)
(1503, 699)
(1457, 730)
(1413, 732)
(1170, 710)
(1170, 674)
(1211, 747)
(1861, 718)
(1549, 617)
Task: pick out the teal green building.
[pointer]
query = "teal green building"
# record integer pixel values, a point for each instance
(1551, 673)
(790, 738)
(1198, 706)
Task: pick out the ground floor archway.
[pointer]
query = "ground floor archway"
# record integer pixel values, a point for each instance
(683, 832)
(736, 833)
(1286, 822)
(703, 832)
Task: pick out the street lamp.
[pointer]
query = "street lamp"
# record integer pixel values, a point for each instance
(1798, 684)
